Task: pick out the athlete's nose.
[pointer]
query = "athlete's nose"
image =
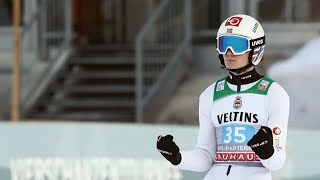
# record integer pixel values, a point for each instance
(229, 53)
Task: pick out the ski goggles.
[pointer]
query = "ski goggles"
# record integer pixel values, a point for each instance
(237, 44)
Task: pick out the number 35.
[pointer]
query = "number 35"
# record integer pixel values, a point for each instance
(235, 134)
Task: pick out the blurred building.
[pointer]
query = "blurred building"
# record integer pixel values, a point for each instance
(121, 60)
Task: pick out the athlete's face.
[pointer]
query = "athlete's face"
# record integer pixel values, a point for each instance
(235, 61)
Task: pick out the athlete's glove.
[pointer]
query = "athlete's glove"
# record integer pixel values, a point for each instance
(262, 143)
(168, 148)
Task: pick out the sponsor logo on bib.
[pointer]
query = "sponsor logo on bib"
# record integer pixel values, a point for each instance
(237, 104)
(263, 85)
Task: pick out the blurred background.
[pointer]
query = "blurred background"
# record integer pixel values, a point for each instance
(87, 86)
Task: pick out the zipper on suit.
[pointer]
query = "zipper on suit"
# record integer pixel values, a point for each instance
(228, 171)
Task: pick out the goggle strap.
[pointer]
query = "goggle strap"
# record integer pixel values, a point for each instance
(257, 42)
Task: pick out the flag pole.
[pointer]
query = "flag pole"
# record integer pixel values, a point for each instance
(15, 96)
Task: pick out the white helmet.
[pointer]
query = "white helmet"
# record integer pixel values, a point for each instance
(243, 26)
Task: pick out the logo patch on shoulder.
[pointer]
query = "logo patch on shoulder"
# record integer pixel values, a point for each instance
(263, 85)
(237, 104)
(220, 86)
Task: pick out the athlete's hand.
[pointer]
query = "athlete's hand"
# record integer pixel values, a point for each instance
(262, 143)
(168, 148)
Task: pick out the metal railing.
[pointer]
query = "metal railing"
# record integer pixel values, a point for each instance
(46, 43)
(285, 11)
(55, 25)
(159, 45)
(208, 14)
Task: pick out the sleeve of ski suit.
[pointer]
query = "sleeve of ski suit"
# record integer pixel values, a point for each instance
(202, 156)
(278, 114)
